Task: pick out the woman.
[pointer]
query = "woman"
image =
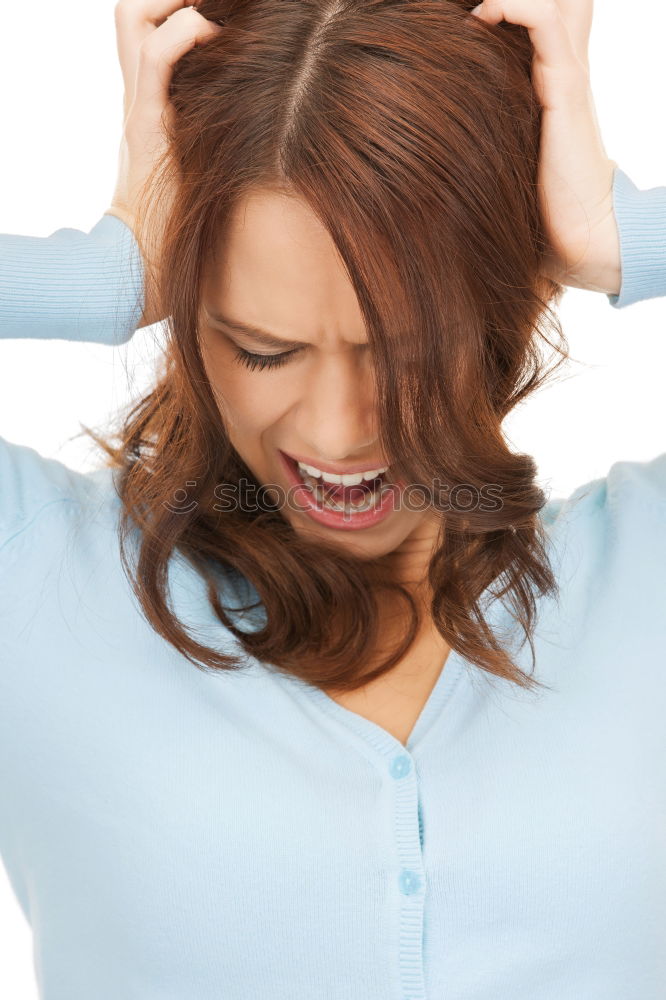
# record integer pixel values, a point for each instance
(361, 792)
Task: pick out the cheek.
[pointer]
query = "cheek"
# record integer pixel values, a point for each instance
(249, 404)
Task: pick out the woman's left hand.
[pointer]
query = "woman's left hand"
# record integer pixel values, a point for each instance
(575, 175)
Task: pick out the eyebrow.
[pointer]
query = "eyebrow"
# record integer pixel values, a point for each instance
(261, 336)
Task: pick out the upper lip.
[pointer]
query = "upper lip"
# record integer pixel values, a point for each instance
(337, 470)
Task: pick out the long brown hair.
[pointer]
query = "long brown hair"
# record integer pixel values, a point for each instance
(412, 131)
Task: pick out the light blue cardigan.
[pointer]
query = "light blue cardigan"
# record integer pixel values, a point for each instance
(173, 835)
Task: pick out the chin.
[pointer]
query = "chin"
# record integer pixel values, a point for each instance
(365, 544)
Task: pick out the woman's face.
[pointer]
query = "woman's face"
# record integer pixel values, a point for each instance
(315, 399)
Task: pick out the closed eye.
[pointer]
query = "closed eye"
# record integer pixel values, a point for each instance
(253, 361)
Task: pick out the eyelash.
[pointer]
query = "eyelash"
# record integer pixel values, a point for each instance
(262, 361)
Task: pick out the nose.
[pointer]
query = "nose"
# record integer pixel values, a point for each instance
(337, 410)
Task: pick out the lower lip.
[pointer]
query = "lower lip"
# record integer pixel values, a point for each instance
(332, 518)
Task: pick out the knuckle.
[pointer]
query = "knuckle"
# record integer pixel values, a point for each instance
(551, 10)
(184, 14)
(121, 9)
(127, 10)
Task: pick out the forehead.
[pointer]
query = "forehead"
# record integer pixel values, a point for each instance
(279, 268)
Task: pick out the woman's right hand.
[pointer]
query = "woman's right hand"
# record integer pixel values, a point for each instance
(152, 35)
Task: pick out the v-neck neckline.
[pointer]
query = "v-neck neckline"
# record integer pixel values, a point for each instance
(380, 738)
(446, 688)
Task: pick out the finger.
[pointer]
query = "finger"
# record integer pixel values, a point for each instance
(151, 38)
(543, 20)
(135, 19)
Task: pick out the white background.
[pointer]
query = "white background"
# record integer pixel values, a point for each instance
(61, 122)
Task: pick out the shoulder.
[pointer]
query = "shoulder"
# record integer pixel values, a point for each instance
(611, 531)
(629, 493)
(36, 490)
(30, 482)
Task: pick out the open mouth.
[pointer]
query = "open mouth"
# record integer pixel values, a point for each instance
(352, 499)
(361, 503)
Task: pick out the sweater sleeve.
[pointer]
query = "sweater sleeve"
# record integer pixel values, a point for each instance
(636, 490)
(70, 285)
(641, 221)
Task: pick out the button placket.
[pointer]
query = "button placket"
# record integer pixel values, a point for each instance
(411, 874)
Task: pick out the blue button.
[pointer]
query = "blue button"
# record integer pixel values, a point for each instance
(409, 882)
(400, 766)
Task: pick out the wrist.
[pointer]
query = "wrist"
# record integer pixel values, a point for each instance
(601, 268)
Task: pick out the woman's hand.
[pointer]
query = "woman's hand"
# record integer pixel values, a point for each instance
(575, 175)
(152, 35)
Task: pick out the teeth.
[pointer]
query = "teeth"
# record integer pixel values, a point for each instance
(349, 509)
(310, 469)
(350, 480)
